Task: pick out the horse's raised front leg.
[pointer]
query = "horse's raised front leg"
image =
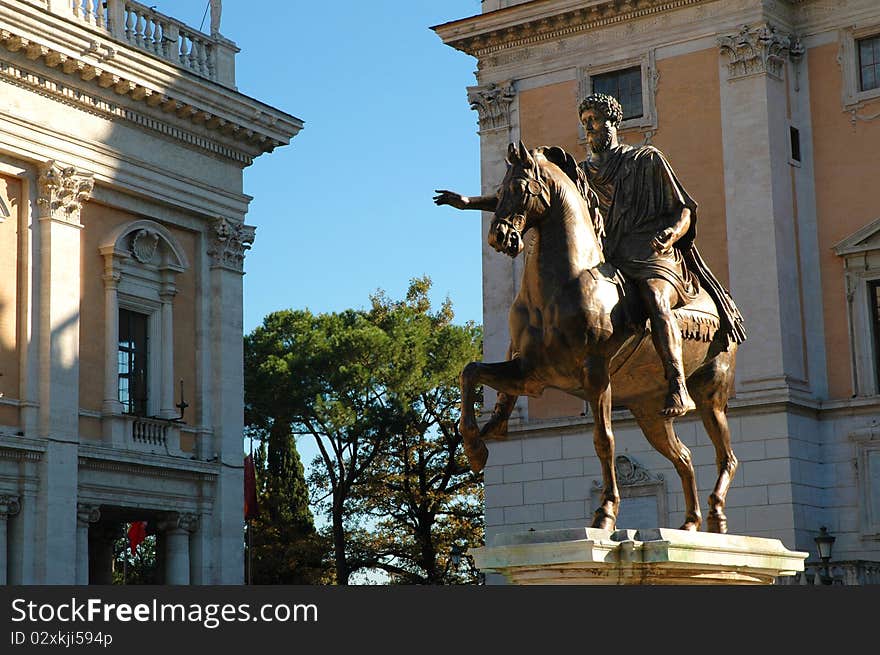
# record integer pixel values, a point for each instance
(496, 426)
(509, 378)
(597, 383)
(661, 435)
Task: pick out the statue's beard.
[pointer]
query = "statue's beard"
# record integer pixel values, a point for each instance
(601, 142)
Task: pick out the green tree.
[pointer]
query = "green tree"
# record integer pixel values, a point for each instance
(284, 546)
(421, 496)
(323, 376)
(138, 568)
(363, 384)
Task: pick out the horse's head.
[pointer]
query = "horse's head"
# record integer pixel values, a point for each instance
(523, 198)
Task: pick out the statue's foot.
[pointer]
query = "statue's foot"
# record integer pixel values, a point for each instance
(678, 400)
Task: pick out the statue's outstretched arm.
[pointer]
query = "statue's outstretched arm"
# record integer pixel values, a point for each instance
(453, 199)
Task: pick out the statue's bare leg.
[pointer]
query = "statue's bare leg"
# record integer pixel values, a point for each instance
(659, 297)
(661, 435)
(597, 383)
(511, 378)
(712, 385)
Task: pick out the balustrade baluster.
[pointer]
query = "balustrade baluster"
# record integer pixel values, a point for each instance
(184, 49)
(129, 25)
(76, 7)
(89, 13)
(139, 29)
(148, 33)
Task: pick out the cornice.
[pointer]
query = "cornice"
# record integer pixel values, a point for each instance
(545, 20)
(85, 69)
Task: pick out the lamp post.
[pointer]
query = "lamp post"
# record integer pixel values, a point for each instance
(823, 543)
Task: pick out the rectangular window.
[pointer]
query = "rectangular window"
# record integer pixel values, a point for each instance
(133, 353)
(795, 143)
(626, 86)
(869, 63)
(874, 302)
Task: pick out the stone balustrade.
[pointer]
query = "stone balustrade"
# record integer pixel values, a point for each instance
(144, 28)
(149, 432)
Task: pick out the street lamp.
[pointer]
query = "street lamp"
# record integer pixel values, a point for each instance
(824, 542)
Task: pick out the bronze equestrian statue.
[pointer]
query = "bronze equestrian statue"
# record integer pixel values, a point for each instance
(611, 260)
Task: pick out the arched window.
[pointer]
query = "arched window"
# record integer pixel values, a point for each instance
(142, 260)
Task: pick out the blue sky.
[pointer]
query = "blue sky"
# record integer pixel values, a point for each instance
(346, 208)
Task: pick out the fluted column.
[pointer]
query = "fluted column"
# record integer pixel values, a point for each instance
(85, 516)
(112, 276)
(9, 506)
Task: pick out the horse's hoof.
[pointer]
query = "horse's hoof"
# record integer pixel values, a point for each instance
(603, 521)
(717, 524)
(690, 526)
(477, 455)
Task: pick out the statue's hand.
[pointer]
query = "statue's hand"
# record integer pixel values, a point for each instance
(451, 198)
(663, 242)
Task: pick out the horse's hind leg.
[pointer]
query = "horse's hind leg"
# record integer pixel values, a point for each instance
(712, 384)
(597, 383)
(715, 422)
(661, 435)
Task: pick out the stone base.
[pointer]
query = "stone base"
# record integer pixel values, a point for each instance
(655, 556)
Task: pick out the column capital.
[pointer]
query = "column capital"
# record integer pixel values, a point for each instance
(185, 521)
(9, 506)
(227, 243)
(61, 191)
(492, 103)
(86, 513)
(758, 50)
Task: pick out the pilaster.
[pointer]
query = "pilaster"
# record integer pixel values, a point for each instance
(227, 244)
(496, 106)
(762, 233)
(61, 191)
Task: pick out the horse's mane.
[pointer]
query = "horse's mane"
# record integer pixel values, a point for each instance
(568, 165)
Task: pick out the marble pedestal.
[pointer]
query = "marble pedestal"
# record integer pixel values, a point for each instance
(656, 556)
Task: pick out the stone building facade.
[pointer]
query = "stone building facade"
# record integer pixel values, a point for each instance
(123, 141)
(769, 111)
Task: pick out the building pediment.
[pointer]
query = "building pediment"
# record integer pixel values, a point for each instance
(865, 239)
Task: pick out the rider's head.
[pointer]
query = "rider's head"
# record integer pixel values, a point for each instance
(600, 115)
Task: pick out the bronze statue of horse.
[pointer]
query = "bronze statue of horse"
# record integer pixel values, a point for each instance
(575, 326)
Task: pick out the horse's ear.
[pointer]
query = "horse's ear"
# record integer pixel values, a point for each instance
(511, 154)
(524, 155)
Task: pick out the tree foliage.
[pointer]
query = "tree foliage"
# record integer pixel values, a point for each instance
(376, 390)
(283, 545)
